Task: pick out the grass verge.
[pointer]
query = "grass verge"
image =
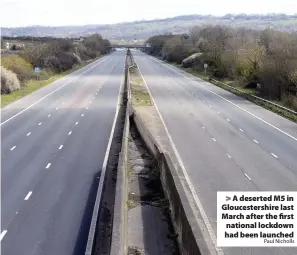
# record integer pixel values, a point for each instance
(33, 85)
(245, 93)
(139, 93)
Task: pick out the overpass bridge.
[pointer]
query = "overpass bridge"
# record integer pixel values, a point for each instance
(130, 46)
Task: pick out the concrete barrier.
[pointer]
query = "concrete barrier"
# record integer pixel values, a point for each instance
(191, 240)
(192, 237)
(119, 241)
(119, 225)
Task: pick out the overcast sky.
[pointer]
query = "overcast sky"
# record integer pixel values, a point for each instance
(74, 12)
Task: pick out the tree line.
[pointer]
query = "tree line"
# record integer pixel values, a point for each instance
(248, 56)
(51, 55)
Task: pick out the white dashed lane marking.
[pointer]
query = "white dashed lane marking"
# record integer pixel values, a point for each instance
(228, 120)
(76, 123)
(241, 130)
(61, 146)
(294, 138)
(28, 134)
(13, 148)
(247, 176)
(70, 133)
(228, 156)
(57, 108)
(87, 108)
(274, 155)
(49, 115)
(256, 141)
(28, 195)
(3, 233)
(214, 139)
(48, 165)
(39, 123)
(82, 115)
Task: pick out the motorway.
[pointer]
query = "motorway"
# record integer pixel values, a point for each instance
(225, 143)
(53, 146)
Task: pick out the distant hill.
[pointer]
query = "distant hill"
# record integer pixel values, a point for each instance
(145, 28)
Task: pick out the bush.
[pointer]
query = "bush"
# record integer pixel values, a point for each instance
(19, 66)
(35, 54)
(9, 81)
(61, 62)
(290, 101)
(53, 63)
(67, 60)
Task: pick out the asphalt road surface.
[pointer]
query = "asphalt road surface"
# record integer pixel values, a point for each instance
(226, 143)
(53, 146)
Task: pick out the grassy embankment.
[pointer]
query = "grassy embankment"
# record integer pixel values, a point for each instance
(139, 93)
(33, 85)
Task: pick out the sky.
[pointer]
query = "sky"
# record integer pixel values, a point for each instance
(17, 13)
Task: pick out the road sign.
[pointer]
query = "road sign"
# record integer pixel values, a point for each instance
(36, 70)
(205, 67)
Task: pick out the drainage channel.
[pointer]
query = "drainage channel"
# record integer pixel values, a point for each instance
(105, 218)
(149, 227)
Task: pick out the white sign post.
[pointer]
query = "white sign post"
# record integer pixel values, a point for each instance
(205, 67)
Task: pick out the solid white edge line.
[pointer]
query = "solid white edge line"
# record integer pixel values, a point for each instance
(93, 224)
(28, 195)
(3, 233)
(66, 83)
(61, 146)
(13, 148)
(187, 178)
(255, 116)
(48, 165)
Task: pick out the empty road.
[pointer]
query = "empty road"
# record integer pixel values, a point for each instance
(53, 146)
(226, 143)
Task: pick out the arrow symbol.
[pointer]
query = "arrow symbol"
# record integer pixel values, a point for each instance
(228, 198)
